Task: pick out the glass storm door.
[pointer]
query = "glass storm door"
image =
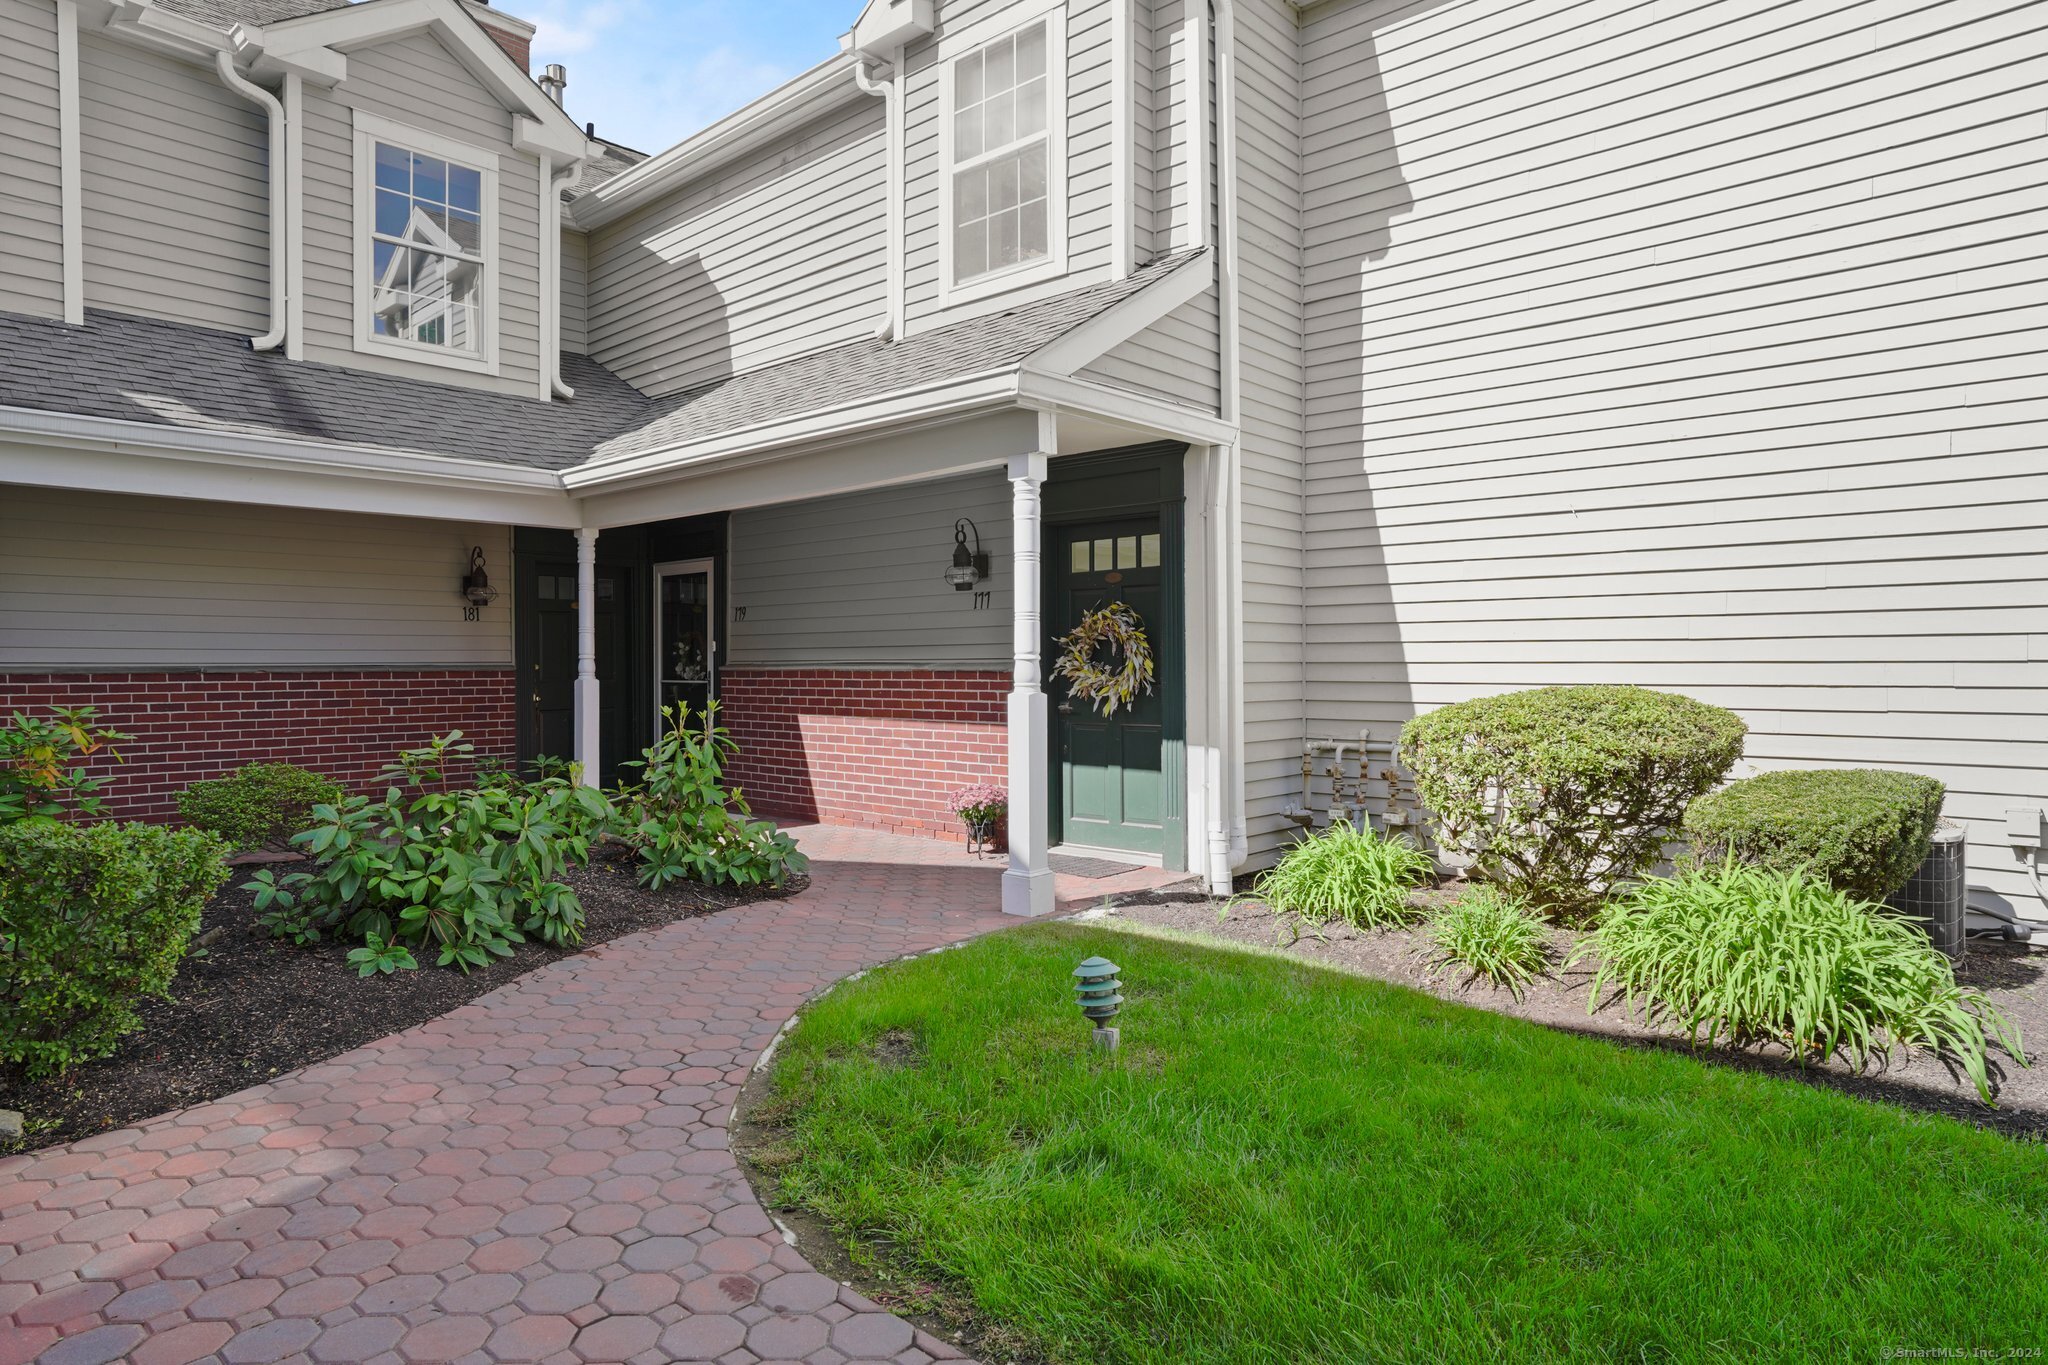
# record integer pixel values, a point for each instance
(684, 656)
(1112, 784)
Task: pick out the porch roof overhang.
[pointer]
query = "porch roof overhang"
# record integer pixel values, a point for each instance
(904, 437)
(112, 455)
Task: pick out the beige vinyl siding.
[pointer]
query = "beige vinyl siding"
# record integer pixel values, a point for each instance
(1148, 125)
(1694, 346)
(575, 292)
(857, 580)
(1088, 179)
(1176, 145)
(1269, 213)
(1174, 359)
(176, 191)
(31, 224)
(779, 257)
(415, 80)
(106, 581)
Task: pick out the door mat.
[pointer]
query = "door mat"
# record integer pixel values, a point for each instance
(1068, 865)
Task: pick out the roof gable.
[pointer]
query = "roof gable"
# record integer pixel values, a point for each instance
(540, 124)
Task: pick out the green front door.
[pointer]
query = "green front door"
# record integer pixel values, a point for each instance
(1112, 775)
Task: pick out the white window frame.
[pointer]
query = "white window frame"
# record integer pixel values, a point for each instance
(369, 131)
(1053, 14)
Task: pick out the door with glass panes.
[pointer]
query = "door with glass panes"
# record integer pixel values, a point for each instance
(685, 656)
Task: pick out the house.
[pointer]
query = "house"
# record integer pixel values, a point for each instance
(1377, 353)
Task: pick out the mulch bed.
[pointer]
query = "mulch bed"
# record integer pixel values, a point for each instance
(256, 1007)
(2015, 982)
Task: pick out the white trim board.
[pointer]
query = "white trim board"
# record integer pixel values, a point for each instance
(1119, 323)
(64, 450)
(804, 98)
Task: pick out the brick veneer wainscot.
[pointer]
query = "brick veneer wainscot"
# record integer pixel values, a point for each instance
(881, 749)
(345, 723)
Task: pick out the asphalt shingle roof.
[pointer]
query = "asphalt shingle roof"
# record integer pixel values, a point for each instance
(599, 169)
(136, 369)
(868, 369)
(228, 13)
(169, 374)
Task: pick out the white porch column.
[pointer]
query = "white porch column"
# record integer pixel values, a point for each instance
(1028, 882)
(586, 656)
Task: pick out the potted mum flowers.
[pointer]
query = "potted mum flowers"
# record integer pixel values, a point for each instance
(981, 808)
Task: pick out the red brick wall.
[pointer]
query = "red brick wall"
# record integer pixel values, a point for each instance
(856, 747)
(517, 46)
(347, 724)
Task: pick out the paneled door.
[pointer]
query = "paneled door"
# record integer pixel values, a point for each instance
(685, 655)
(1111, 775)
(550, 615)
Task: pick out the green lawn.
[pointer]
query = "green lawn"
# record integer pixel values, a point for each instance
(1287, 1165)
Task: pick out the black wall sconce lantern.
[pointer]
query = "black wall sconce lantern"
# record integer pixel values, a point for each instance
(476, 584)
(969, 566)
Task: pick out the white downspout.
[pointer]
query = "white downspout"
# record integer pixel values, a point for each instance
(1230, 363)
(552, 185)
(70, 176)
(891, 92)
(280, 235)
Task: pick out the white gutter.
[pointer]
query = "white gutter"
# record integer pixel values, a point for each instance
(36, 426)
(806, 97)
(1230, 623)
(891, 91)
(280, 235)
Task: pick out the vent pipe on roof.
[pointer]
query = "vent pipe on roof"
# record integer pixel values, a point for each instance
(554, 80)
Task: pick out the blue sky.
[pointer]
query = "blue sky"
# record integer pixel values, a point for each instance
(651, 72)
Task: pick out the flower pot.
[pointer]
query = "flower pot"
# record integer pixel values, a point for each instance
(981, 835)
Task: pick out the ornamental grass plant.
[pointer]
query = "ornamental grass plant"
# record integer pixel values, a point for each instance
(1755, 955)
(1347, 873)
(1494, 936)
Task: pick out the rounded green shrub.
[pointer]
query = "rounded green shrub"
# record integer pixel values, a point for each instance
(252, 806)
(1346, 873)
(1861, 830)
(1756, 955)
(1565, 792)
(93, 918)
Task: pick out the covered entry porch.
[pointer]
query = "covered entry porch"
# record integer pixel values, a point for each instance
(806, 590)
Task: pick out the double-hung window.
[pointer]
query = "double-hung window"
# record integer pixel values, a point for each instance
(1004, 158)
(424, 249)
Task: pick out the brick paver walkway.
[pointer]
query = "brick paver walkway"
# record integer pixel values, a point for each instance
(541, 1175)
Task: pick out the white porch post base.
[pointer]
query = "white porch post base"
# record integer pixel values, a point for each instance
(1028, 883)
(586, 657)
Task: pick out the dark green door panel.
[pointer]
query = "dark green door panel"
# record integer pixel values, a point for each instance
(1111, 768)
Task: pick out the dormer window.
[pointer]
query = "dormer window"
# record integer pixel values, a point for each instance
(426, 247)
(1005, 159)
